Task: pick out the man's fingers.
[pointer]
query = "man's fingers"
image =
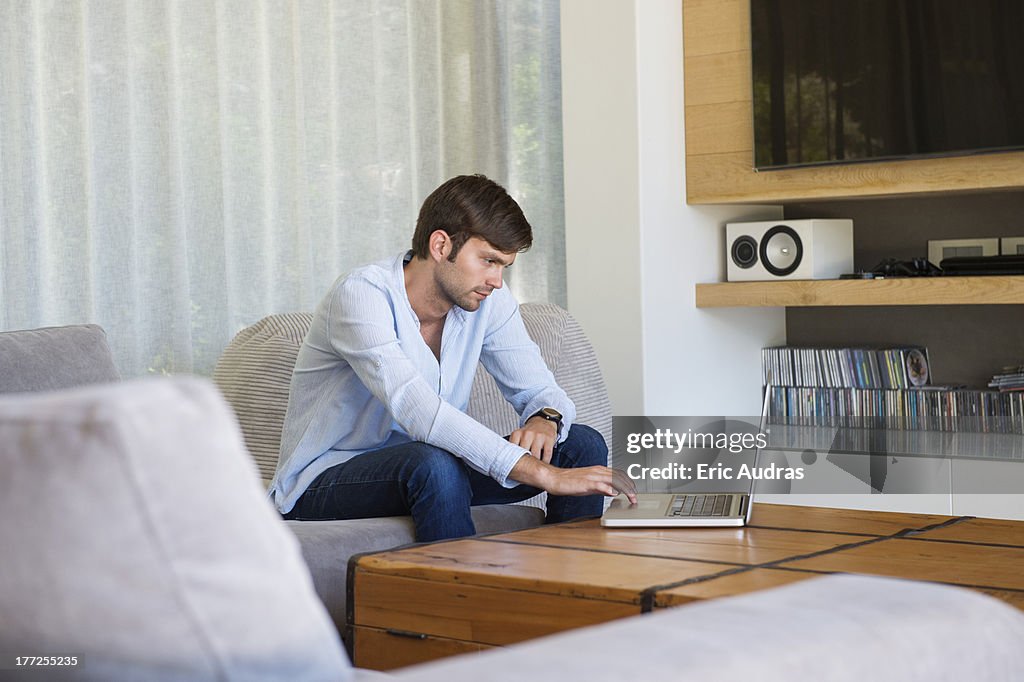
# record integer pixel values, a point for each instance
(536, 437)
(524, 439)
(531, 444)
(540, 447)
(548, 451)
(528, 440)
(622, 481)
(595, 479)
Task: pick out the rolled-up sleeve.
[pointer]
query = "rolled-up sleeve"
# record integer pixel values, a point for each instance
(361, 329)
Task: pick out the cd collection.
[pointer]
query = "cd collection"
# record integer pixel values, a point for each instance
(1010, 379)
(880, 368)
(885, 388)
(924, 409)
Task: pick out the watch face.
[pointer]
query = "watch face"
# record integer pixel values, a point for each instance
(551, 413)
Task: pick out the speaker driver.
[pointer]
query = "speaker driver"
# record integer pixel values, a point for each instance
(781, 250)
(744, 251)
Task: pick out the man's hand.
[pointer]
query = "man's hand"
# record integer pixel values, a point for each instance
(593, 480)
(539, 436)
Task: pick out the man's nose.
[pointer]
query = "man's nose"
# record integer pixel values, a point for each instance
(494, 279)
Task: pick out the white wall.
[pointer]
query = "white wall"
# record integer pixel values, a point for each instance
(602, 189)
(634, 248)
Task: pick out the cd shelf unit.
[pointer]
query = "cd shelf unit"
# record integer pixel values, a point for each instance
(989, 290)
(959, 444)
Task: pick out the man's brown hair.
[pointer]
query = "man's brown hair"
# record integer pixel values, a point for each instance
(472, 206)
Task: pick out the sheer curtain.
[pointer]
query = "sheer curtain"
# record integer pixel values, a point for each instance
(175, 170)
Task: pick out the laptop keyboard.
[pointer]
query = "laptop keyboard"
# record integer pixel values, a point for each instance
(700, 505)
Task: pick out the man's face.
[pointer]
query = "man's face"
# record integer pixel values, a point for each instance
(476, 272)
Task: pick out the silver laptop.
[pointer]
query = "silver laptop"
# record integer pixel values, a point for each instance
(687, 510)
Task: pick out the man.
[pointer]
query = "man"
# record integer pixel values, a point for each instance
(376, 423)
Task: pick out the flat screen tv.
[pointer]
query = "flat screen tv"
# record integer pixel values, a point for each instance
(841, 81)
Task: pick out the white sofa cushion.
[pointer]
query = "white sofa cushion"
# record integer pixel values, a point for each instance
(137, 536)
(842, 628)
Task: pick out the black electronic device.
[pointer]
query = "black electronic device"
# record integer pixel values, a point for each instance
(840, 81)
(1012, 264)
(915, 267)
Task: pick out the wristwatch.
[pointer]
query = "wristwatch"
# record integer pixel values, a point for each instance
(552, 415)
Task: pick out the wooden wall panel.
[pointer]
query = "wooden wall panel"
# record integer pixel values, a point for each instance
(719, 137)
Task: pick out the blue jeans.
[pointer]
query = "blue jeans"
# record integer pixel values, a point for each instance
(437, 488)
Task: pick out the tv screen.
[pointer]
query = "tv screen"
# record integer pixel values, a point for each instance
(840, 81)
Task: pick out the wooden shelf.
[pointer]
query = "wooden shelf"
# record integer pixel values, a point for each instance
(991, 290)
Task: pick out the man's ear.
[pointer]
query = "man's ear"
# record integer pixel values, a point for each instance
(440, 245)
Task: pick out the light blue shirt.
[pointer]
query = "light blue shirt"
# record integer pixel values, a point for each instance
(365, 378)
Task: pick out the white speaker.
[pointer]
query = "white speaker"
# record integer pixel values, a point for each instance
(789, 249)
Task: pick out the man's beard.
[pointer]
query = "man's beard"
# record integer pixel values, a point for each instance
(449, 290)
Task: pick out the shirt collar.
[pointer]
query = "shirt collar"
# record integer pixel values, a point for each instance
(398, 272)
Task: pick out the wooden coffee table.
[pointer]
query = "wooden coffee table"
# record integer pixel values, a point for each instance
(428, 601)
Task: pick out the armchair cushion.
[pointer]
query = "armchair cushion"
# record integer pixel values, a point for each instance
(255, 373)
